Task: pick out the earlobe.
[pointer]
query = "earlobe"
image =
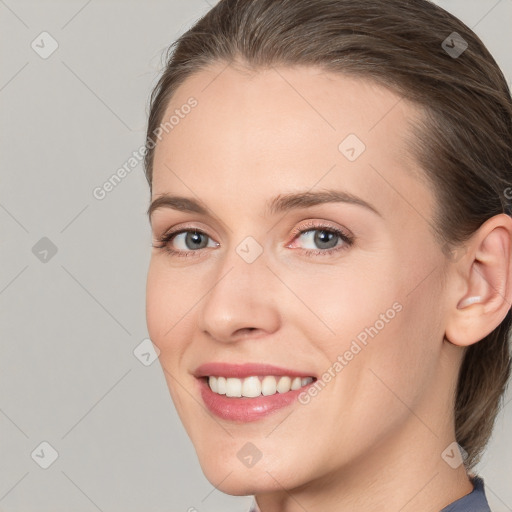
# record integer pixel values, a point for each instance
(486, 272)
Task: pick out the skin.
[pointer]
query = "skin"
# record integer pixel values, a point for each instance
(376, 432)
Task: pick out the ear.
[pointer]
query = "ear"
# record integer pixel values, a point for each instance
(482, 283)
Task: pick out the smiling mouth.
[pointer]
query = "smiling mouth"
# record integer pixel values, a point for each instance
(256, 385)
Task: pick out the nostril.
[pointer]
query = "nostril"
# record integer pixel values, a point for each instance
(246, 330)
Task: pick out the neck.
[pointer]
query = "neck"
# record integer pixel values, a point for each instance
(404, 472)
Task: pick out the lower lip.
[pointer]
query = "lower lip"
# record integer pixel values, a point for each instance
(244, 409)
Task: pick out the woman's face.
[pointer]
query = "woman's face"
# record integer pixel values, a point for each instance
(341, 284)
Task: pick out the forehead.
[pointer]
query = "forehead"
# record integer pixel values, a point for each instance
(258, 133)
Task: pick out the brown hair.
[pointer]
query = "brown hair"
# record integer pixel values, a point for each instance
(464, 143)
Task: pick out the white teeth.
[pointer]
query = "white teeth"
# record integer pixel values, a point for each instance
(233, 387)
(254, 386)
(251, 387)
(268, 385)
(296, 383)
(213, 384)
(284, 384)
(221, 385)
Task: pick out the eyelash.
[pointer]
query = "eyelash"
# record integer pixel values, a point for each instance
(348, 240)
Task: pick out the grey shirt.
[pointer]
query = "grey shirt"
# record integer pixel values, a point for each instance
(475, 501)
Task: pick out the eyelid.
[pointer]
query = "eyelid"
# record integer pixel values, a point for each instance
(162, 218)
(319, 224)
(344, 234)
(187, 226)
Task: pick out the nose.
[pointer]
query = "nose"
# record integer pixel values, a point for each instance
(242, 301)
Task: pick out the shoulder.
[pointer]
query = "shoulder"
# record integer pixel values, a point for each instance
(475, 501)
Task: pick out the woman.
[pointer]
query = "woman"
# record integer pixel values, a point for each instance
(330, 283)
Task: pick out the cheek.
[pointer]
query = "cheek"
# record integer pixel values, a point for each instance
(382, 332)
(343, 302)
(166, 320)
(399, 361)
(155, 305)
(165, 304)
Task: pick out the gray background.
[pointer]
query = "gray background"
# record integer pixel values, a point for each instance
(69, 325)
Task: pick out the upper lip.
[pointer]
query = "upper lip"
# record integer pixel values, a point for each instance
(245, 370)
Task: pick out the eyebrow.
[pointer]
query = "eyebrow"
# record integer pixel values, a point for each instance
(278, 204)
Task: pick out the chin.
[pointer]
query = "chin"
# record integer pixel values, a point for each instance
(231, 476)
(237, 481)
